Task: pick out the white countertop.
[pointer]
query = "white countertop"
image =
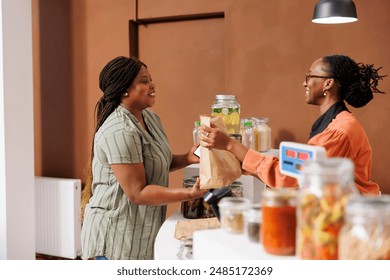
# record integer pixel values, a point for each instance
(166, 246)
(209, 244)
(219, 244)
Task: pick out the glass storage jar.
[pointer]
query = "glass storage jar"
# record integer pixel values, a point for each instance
(231, 210)
(263, 134)
(279, 221)
(325, 186)
(185, 250)
(236, 189)
(252, 217)
(191, 209)
(248, 135)
(366, 231)
(227, 107)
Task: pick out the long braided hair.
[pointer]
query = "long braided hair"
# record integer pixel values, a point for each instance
(114, 80)
(357, 81)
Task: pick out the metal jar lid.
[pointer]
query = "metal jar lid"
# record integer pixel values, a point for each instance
(279, 197)
(234, 203)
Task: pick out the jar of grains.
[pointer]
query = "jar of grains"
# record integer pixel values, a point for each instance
(232, 213)
(263, 134)
(325, 186)
(278, 226)
(366, 232)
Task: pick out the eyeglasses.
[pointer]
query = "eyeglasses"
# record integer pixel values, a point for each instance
(309, 76)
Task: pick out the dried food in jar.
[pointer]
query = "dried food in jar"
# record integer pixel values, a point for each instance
(321, 219)
(325, 187)
(253, 223)
(192, 209)
(233, 222)
(366, 231)
(231, 211)
(207, 211)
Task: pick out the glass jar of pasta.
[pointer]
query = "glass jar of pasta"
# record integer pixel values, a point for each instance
(227, 107)
(325, 186)
(366, 232)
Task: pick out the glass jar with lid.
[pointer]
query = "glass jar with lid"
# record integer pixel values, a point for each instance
(252, 217)
(231, 211)
(191, 209)
(227, 107)
(248, 135)
(279, 221)
(366, 231)
(263, 134)
(325, 186)
(236, 189)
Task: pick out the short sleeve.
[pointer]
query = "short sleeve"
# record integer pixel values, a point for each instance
(123, 146)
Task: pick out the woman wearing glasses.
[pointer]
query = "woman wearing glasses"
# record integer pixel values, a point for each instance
(331, 81)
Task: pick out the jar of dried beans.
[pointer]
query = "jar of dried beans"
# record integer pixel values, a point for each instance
(366, 232)
(325, 186)
(277, 233)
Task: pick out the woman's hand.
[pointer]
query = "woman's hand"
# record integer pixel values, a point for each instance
(213, 137)
(195, 191)
(191, 157)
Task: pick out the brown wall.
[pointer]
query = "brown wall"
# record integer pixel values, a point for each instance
(259, 52)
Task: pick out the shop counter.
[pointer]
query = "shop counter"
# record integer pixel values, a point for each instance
(166, 246)
(209, 244)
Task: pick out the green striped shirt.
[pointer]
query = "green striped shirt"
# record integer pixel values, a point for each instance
(113, 226)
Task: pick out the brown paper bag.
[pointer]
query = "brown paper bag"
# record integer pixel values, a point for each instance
(217, 168)
(185, 229)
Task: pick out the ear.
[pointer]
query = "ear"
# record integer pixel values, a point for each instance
(329, 83)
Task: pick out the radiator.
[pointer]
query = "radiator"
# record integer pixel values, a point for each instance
(57, 217)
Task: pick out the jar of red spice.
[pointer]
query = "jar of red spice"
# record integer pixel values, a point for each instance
(278, 227)
(324, 189)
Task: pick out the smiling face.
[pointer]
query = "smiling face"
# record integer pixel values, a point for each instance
(315, 82)
(142, 91)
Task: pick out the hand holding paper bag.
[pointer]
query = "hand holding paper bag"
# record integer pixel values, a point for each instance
(218, 168)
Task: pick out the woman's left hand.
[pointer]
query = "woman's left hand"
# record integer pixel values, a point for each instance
(191, 157)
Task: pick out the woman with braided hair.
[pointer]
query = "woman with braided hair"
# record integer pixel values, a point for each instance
(331, 81)
(124, 200)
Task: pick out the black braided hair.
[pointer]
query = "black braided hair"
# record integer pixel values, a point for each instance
(114, 80)
(357, 81)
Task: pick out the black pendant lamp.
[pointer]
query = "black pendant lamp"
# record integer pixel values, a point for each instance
(334, 11)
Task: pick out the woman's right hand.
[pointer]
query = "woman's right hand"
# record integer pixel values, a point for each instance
(196, 192)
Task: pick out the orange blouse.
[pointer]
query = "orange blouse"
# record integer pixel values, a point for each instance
(344, 137)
